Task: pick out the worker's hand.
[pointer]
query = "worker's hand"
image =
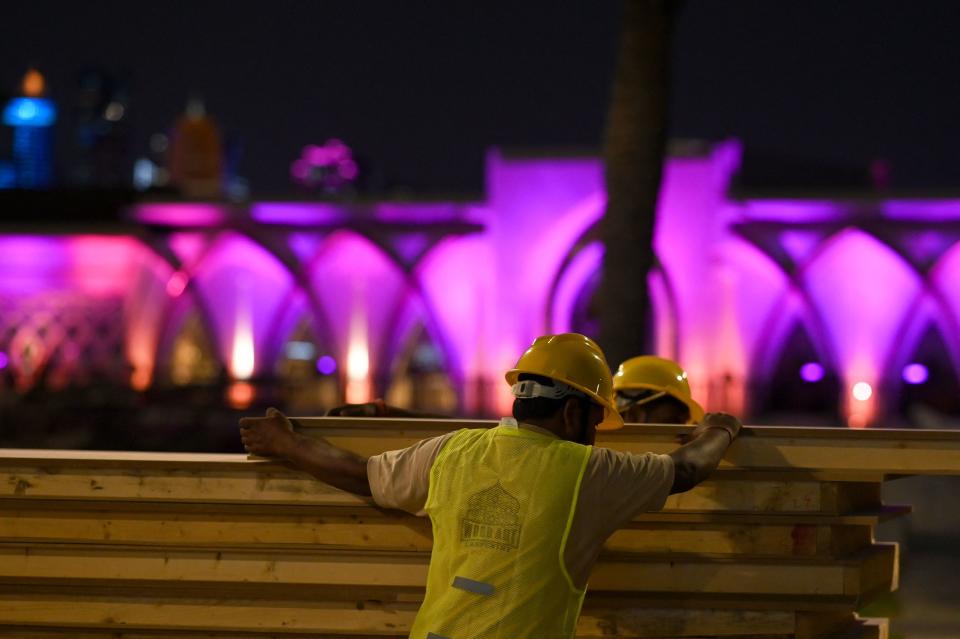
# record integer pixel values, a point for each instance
(376, 408)
(270, 436)
(718, 421)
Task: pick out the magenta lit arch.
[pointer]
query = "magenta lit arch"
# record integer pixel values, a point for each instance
(863, 290)
(944, 286)
(356, 283)
(243, 285)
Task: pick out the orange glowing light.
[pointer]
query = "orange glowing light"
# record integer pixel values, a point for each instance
(240, 394)
(140, 378)
(33, 85)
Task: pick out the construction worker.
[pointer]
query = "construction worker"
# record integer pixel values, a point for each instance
(654, 390)
(519, 511)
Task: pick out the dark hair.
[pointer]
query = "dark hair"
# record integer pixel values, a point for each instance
(536, 407)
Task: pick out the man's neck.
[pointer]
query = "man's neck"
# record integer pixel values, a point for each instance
(546, 426)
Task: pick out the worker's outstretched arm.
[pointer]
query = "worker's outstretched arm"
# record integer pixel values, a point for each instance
(699, 457)
(273, 436)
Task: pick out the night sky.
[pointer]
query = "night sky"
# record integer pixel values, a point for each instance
(420, 90)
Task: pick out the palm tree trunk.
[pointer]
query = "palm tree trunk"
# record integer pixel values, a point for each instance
(634, 149)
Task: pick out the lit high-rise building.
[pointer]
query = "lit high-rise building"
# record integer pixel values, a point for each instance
(32, 117)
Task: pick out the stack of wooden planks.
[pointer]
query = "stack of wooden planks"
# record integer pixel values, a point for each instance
(779, 544)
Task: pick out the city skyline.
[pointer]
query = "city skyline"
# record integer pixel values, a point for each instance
(420, 93)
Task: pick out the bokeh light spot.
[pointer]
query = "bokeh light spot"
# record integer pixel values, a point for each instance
(811, 372)
(862, 391)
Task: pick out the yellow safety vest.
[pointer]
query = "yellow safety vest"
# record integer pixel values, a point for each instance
(501, 501)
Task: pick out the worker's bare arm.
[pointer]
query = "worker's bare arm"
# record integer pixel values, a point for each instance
(379, 408)
(699, 457)
(273, 436)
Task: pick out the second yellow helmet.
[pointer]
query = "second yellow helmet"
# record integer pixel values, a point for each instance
(658, 374)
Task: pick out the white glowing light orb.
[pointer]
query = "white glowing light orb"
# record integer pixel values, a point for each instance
(862, 391)
(358, 361)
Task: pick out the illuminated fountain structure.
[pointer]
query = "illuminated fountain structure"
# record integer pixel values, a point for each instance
(836, 311)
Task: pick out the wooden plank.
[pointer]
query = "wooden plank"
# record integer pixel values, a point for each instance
(743, 540)
(75, 616)
(211, 614)
(322, 510)
(221, 530)
(274, 485)
(759, 447)
(757, 496)
(75, 564)
(208, 484)
(882, 451)
(237, 529)
(133, 615)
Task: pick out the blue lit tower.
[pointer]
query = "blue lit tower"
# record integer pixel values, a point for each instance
(32, 117)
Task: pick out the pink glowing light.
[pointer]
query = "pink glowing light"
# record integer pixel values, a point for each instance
(915, 373)
(811, 372)
(101, 265)
(180, 214)
(4, 360)
(31, 264)
(188, 246)
(177, 284)
(328, 167)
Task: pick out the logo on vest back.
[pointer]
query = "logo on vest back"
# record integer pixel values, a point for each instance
(492, 519)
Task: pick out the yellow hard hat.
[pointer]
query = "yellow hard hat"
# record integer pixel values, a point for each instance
(657, 374)
(577, 361)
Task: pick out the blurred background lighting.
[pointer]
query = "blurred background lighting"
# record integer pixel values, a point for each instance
(811, 372)
(862, 391)
(915, 373)
(304, 351)
(29, 112)
(240, 394)
(4, 360)
(177, 284)
(326, 365)
(33, 85)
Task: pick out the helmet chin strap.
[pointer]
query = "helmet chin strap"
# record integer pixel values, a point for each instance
(624, 401)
